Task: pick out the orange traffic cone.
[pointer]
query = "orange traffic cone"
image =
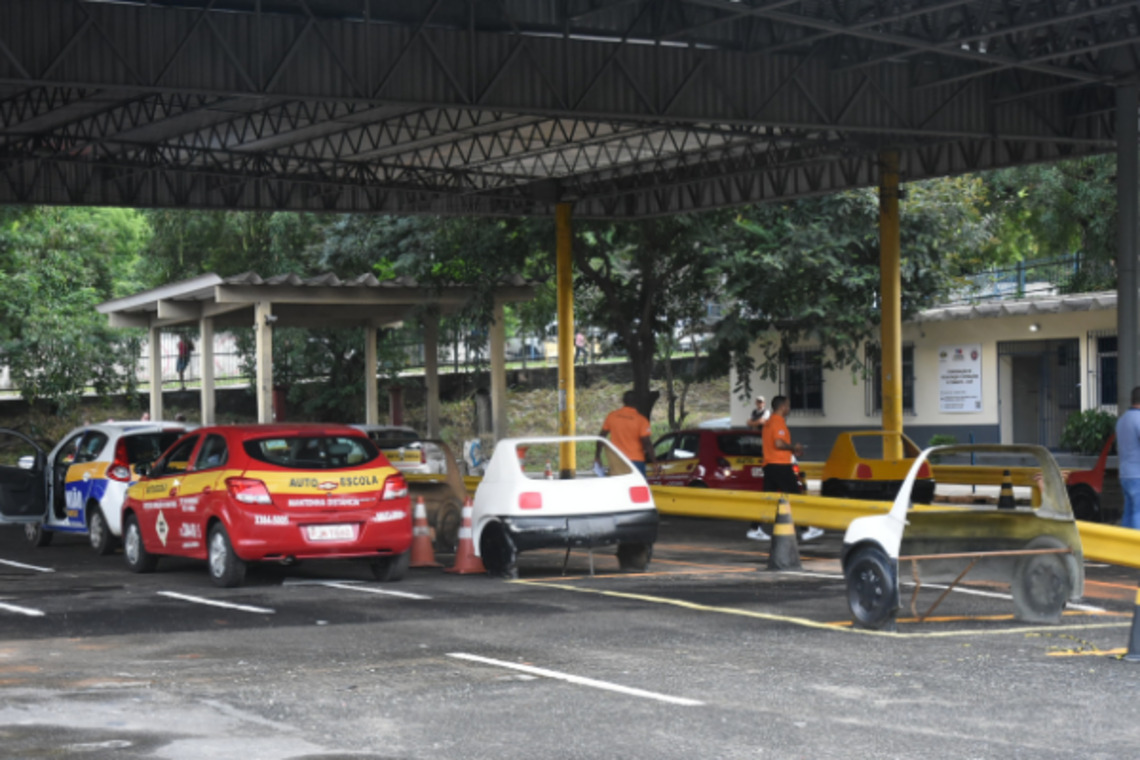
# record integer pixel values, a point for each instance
(548, 473)
(466, 563)
(422, 553)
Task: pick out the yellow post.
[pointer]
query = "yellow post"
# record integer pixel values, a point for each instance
(891, 302)
(565, 269)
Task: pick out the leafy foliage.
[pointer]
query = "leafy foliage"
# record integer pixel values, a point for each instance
(1085, 432)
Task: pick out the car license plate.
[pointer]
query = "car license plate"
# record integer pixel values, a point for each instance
(330, 532)
(757, 472)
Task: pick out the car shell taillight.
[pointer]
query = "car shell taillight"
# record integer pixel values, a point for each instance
(395, 487)
(248, 491)
(530, 500)
(639, 494)
(863, 471)
(924, 470)
(120, 468)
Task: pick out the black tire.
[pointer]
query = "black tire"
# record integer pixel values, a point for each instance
(834, 488)
(447, 524)
(634, 557)
(1041, 584)
(1085, 502)
(391, 569)
(35, 534)
(98, 533)
(227, 569)
(872, 594)
(498, 552)
(139, 560)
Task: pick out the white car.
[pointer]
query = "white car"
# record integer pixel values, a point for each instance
(522, 504)
(78, 487)
(1029, 541)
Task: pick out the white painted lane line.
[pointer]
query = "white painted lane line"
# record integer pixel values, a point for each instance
(22, 610)
(215, 603)
(26, 567)
(374, 590)
(581, 681)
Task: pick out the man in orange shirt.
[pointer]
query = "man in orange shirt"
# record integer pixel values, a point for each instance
(630, 432)
(779, 469)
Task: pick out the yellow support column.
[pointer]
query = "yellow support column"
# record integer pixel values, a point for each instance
(565, 270)
(891, 303)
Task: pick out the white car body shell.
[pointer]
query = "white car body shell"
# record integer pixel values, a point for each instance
(504, 480)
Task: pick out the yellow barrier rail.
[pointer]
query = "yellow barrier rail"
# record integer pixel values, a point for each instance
(952, 474)
(1100, 543)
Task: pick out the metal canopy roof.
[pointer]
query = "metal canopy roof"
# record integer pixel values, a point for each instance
(625, 107)
(1021, 307)
(323, 301)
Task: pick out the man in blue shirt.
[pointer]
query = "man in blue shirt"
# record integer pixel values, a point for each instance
(1128, 451)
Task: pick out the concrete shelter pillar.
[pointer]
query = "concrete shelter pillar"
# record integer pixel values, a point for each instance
(154, 372)
(1127, 248)
(371, 393)
(263, 338)
(567, 414)
(890, 290)
(206, 369)
(498, 336)
(431, 373)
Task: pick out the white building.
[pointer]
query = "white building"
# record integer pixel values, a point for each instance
(1007, 371)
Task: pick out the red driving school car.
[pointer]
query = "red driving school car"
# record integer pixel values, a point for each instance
(247, 493)
(713, 458)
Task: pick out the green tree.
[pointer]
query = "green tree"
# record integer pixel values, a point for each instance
(809, 270)
(56, 265)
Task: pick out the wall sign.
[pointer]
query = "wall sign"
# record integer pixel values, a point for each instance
(960, 379)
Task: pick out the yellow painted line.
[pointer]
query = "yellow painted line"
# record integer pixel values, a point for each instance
(1090, 653)
(985, 618)
(1129, 587)
(663, 574)
(806, 622)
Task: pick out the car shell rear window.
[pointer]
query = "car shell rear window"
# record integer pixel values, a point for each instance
(313, 452)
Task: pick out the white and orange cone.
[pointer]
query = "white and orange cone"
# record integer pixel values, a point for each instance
(466, 563)
(422, 553)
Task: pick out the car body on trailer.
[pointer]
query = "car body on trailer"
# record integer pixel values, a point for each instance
(1031, 544)
(519, 507)
(234, 494)
(79, 485)
(405, 449)
(856, 468)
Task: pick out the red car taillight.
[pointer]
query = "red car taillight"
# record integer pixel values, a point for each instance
(120, 468)
(423, 457)
(924, 470)
(248, 491)
(639, 494)
(395, 487)
(863, 471)
(530, 500)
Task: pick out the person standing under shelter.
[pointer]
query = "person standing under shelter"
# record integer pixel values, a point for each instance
(185, 349)
(1128, 451)
(759, 415)
(779, 462)
(629, 430)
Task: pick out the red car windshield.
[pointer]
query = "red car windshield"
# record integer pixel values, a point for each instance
(747, 445)
(313, 452)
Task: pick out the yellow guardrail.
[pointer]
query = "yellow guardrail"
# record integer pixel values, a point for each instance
(952, 474)
(1100, 543)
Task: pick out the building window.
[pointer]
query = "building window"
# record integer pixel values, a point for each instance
(875, 386)
(805, 381)
(1106, 371)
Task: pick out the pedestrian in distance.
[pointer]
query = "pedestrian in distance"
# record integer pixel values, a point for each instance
(759, 415)
(580, 347)
(185, 349)
(1128, 451)
(779, 462)
(629, 431)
